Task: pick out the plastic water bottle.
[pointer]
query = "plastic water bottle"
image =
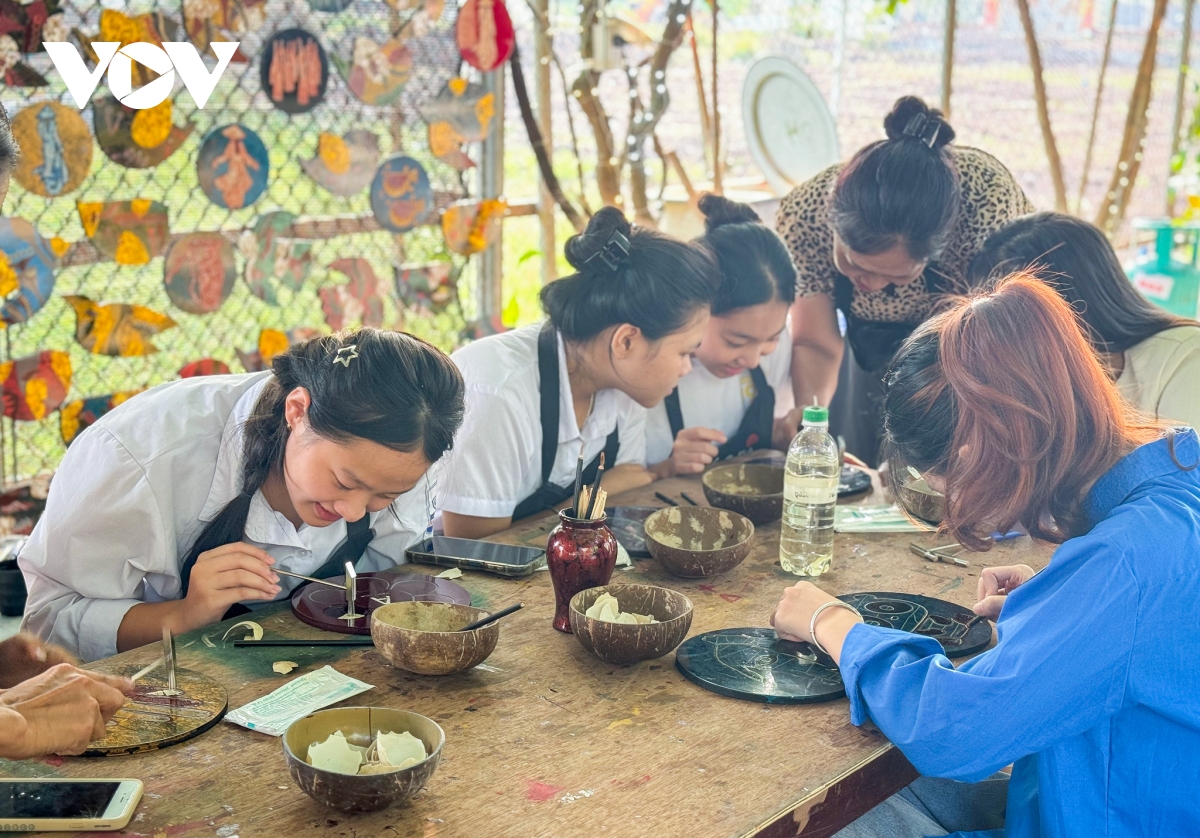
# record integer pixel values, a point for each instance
(810, 487)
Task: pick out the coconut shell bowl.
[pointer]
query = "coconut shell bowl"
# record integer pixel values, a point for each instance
(424, 637)
(355, 793)
(698, 541)
(625, 643)
(754, 491)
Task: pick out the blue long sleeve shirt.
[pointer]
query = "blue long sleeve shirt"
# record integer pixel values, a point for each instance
(1093, 688)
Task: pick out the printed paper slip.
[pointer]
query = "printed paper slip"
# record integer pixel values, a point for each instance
(274, 713)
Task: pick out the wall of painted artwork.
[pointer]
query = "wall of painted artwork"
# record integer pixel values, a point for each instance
(328, 181)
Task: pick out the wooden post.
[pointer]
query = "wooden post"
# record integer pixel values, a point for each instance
(948, 55)
(541, 81)
(491, 185)
(1189, 7)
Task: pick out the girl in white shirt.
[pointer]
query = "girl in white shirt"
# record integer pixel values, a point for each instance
(739, 396)
(620, 333)
(1152, 356)
(173, 508)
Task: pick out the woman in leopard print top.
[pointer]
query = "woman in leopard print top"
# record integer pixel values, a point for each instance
(882, 238)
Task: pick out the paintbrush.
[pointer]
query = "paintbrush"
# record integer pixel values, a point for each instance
(668, 501)
(491, 618)
(326, 583)
(595, 489)
(578, 483)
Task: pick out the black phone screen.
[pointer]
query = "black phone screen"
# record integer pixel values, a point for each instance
(483, 551)
(55, 800)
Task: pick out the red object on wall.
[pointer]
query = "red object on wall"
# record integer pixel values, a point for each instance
(484, 34)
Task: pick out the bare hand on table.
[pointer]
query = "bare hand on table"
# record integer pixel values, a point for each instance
(693, 451)
(785, 429)
(224, 576)
(794, 613)
(58, 712)
(995, 584)
(24, 656)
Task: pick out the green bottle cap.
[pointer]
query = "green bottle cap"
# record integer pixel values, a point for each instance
(816, 415)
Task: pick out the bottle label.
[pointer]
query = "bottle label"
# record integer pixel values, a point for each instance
(810, 491)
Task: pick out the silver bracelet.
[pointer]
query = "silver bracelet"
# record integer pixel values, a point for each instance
(812, 624)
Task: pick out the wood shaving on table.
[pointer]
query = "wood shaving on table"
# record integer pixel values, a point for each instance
(256, 631)
(452, 573)
(284, 667)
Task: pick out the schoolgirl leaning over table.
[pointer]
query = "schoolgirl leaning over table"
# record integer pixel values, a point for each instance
(619, 335)
(1090, 691)
(738, 395)
(173, 508)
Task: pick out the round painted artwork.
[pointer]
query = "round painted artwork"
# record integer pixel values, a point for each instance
(233, 166)
(294, 70)
(26, 270)
(401, 195)
(56, 149)
(128, 136)
(199, 272)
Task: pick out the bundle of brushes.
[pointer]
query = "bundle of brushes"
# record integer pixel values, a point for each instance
(589, 500)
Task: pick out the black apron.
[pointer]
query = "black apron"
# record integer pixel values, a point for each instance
(550, 495)
(358, 535)
(757, 425)
(856, 412)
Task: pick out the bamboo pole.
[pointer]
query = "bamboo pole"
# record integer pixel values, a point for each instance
(542, 50)
(718, 164)
(1091, 143)
(1039, 92)
(1133, 140)
(948, 55)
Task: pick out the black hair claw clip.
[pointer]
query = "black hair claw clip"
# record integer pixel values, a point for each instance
(614, 252)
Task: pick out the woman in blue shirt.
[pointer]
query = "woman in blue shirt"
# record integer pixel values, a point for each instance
(1091, 689)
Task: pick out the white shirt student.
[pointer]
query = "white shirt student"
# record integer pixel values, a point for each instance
(618, 336)
(738, 396)
(137, 489)
(495, 463)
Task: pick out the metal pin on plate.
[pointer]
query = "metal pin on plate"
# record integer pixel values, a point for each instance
(351, 593)
(169, 654)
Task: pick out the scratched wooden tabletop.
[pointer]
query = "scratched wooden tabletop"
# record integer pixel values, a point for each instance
(546, 740)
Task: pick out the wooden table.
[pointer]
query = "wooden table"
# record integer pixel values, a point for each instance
(546, 740)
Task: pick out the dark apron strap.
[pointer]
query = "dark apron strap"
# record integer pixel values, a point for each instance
(674, 413)
(548, 393)
(549, 495)
(758, 422)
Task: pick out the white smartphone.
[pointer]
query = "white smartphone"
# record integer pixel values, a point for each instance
(33, 805)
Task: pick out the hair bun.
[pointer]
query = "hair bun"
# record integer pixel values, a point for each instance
(719, 211)
(582, 249)
(911, 118)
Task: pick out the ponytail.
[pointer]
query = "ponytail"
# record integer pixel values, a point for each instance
(902, 190)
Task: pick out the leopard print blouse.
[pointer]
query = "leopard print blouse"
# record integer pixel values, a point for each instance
(990, 199)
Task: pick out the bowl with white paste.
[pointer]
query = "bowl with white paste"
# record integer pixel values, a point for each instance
(362, 759)
(698, 541)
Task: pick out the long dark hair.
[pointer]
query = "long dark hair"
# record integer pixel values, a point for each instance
(627, 274)
(9, 150)
(1004, 399)
(902, 190)
(397, 391)
(755, 264)
(1075, 259)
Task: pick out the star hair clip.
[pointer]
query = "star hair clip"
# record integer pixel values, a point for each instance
(345, 355)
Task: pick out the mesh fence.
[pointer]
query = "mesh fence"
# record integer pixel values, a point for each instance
(338, 226)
